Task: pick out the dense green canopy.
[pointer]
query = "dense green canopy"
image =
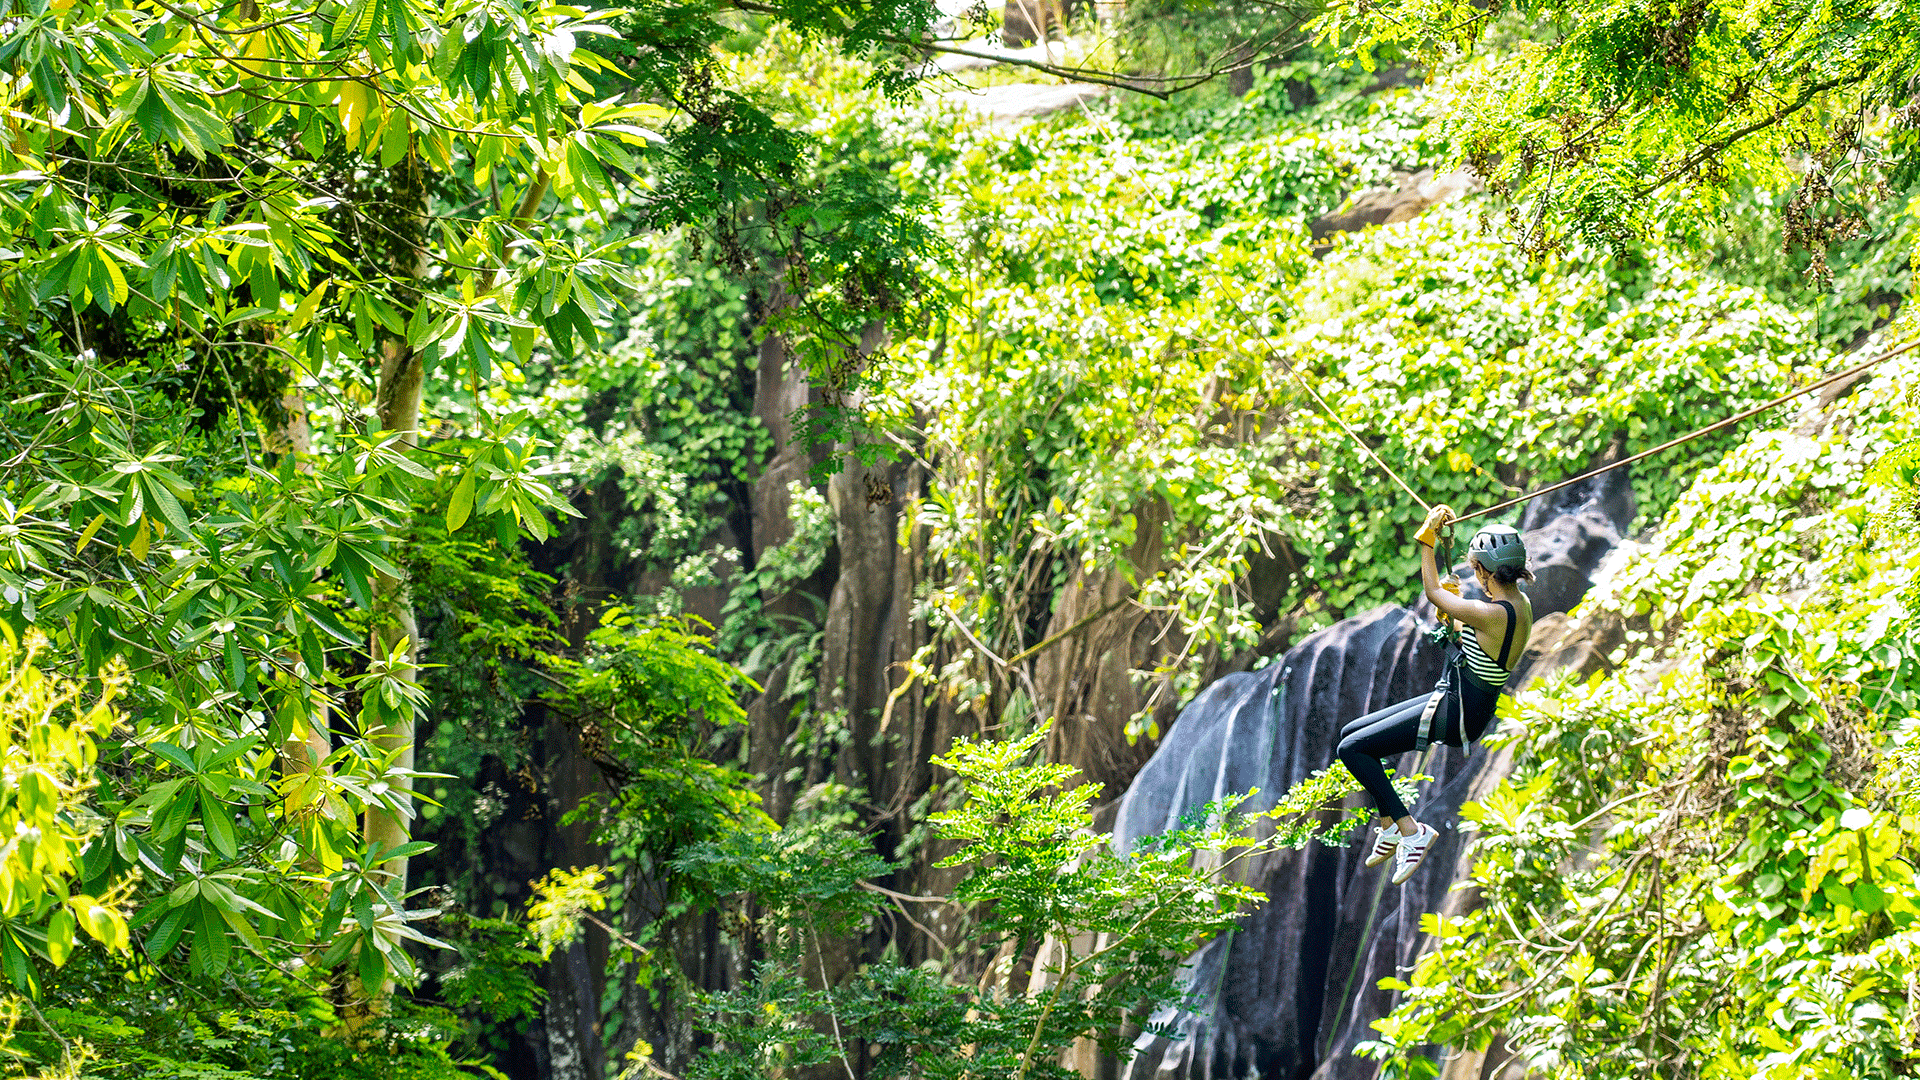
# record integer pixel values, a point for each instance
(552, 542)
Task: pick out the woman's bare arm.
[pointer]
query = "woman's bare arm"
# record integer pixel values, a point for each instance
(1475, 613)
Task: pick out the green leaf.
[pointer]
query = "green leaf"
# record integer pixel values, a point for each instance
(179, 812)
(19, 968)
(218, 822)
(363, 908)
(532, 517)
(213, 934)
(336, 910)
(378, 562)
(461, 503)
(175, 755)
(52, 85)
(394, 139)
(353, 575)
(151, 112)
(236, 663)
(312, 652)
(264, 284)
(115, 283)
(319, 615)
(373, 966)
(244, 930)
(230, 751)
(308, 306)
(406, 850)
(132, 504)
(60, 929)
(167, 933)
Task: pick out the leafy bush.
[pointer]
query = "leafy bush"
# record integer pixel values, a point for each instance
(1105, 931)
(48, 746)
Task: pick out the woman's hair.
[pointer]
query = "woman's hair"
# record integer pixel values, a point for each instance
(1506, 575)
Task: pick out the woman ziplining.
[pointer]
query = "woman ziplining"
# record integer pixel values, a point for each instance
(1476, 670)
(1492, 635)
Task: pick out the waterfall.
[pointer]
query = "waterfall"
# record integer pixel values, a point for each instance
(1296, 987)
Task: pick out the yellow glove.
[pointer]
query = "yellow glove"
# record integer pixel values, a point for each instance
(1437, 517)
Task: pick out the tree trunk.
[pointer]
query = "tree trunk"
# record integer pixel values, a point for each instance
(303, 750)
(397, 409)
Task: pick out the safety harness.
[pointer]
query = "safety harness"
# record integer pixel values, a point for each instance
(1446, 692)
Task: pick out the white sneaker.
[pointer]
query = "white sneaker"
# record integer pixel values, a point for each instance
(1385, 842)
(1407, 856)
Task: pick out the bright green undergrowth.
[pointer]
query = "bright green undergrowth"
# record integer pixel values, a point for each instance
(1106, 930)
(1111, 393)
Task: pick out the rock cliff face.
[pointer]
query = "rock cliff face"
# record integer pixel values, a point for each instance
(1296, 988)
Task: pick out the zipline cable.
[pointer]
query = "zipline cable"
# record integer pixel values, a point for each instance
(1690, 436)
(1335, 417)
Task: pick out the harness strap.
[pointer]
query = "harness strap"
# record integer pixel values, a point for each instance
(1447, 687)
(1506, 643)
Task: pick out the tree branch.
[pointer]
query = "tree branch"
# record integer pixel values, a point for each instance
(1139, 84)
(1698, 157)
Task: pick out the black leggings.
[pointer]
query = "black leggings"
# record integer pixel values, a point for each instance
(1392, 731)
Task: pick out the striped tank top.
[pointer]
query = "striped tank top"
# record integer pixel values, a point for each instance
(1488, 671)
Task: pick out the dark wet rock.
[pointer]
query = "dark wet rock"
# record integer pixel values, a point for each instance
(1568, 535)
(1297, 987)
(1570, 532)
(1273, 981)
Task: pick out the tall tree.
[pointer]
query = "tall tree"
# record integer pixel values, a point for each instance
(353, 203)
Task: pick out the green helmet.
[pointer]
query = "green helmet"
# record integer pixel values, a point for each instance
(1498, 547)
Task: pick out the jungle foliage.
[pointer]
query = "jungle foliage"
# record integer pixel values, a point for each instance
(1610, 122)
(1096, 935)
(1157, 310)
(250, 255)
(376, 375)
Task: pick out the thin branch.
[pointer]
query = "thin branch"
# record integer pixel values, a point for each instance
(1069, 631)
(826, 988)
(1139, 84)
(1033, 694)
(1693, 160)
(896, 899)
